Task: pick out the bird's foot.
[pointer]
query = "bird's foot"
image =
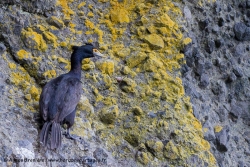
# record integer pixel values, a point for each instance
(72, 137)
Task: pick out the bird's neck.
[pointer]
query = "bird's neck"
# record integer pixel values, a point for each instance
(76, 66)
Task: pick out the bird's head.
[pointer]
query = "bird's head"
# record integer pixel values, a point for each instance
(86, 51)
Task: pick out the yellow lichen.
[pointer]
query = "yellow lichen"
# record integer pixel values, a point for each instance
(80, 126)
(137, 110)
(50, 74)
(12, 65)
(89, 24)
(58, 21)
(28, 97)
(187, 41)
(81, 5)
(147, 61)
(89, 66)
(136, 59)
(34, 93)
(64, 44)
(205, 144)
(143, 158)
(109, 114)
(65, 61)
(119, 15)
(107, 67)
(90, 14)
(218, 128)
(65, 8)
(34, 40)
(171, 151)
(51, 38)
(22, 54)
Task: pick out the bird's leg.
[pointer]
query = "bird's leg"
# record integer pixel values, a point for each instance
(69, 136)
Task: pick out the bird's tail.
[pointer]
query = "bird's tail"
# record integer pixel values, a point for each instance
(51, 136)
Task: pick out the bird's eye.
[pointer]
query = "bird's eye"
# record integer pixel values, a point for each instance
(95, 50)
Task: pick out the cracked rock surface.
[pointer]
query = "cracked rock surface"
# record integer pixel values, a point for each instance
(173, 89)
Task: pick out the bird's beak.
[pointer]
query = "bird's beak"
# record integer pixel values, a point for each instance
(97, 53)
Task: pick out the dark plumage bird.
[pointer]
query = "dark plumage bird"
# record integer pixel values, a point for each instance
(60, 96)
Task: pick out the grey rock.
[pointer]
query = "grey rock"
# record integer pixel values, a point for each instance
(100, 155)
(222, 139)
(7, 151)
(223, 67)
(236, 139)
(239, 50)
(203, 24)
(204, 81)
(2, 48)
(218, 88)
(242, 4)
(209, 134)
(236, 110)
(217, 7)
(247, 153)
(241, 164)
(55, 22)
(23, 143)
(196, 159)
(231, 77)
(242, 32)
(210, 46)
(220, 160)
(238, 71)
(241, 88)
(89, 161)
(189, 59)
(152, 115)
(187, 13)
(222, 114)
(189, 88)
(246, 120)
(216, 29)
(32, 6)
(208, 65)
(219, 42)
(200, 67)
(221, 22)
(246, 136)
(248, 3)
(196, 112)
(184, 69)
(228, 18)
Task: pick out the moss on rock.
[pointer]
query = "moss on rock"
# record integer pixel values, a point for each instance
(108, 115)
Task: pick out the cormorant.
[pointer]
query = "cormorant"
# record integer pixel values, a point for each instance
(60, 96)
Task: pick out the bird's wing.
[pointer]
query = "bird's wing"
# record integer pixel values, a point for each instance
(47, 95)
(67, 97)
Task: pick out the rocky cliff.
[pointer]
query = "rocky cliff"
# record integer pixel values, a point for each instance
(173, 89)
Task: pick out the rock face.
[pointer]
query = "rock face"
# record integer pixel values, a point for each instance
(135, 109)
(155, 41)
(217, 76)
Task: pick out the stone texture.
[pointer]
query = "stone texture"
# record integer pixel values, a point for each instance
(242, 32)
(155, 41)
(222, 139)
(225, 94)
(215, 76)
(109, 115)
